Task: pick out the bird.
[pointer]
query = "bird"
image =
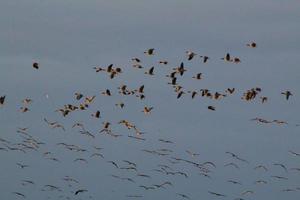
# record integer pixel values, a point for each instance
(287, 94)
(164, 62)
(183, 196)
(227, 58)
(121, 104)
(97, 114)
(261, 167)
(180, 94)
(150, 71)
(149, 51)
(190, 55)
(281, 165)
(78, 95)
(211, 108)
(251, 44)
(234, 182)
(230, 90)
(236, 60)
(205, 58)
(147, 110)
(80, 191)
(247, 192)
(216, 194)
(294, 153)
(2, 99)
(198, 76)
(19, 194)
(136, 60)
(106, 92)
(264, 99)
(115, 164)
(35, 65)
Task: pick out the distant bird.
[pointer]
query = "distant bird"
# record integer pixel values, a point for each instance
(97, 114)
(236, 60)
(294, 153)
(264, 99)
(26, 101)
(147, 110)
(190, 55)
(216, 194)
(136, 60)
(78, 95)
(35, 65)
(230, 90)
(150, 71)
(164, 62)
(232, 164)
(149, 51)
(183, 196)
(261, 182)
(22, 165)
(281, 165)
(247, 192)
(287, 94)
(227, 58)
(106, 92)
(261, 167)
(180, 94)
(211, 108)
(192, 154)
(115, 164)
(198, 76)
(2, 99)
(251, 44)
(280, 177)
(147, 188)
(121, 104)
(205, 58)
(80, 191)
(234, 182)
(19, 194)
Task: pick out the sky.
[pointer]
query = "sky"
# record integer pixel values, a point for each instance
(68, 38)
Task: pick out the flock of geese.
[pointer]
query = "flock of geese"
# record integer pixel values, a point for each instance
(129, 171)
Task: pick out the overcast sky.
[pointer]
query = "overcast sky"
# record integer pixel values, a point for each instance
(68, 38)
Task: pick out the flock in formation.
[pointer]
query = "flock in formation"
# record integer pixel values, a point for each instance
(181, 167)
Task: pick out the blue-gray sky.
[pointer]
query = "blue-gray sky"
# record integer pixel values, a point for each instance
(68, 38)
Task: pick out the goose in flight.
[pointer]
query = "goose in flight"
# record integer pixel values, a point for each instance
(35, 65)
(2, 99)
(205, 58)
(216, 194)
(80, 191)
(227, 58)
(211, 108)
(294, 153)
(97, 114)
(287, 94)
(19, 194)
(282, 166)
(147, 110)
(190, 55)
(198, 76)
(183, 196)
(150, 71)
(149, 52)
(78, 95)
(251, 44)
